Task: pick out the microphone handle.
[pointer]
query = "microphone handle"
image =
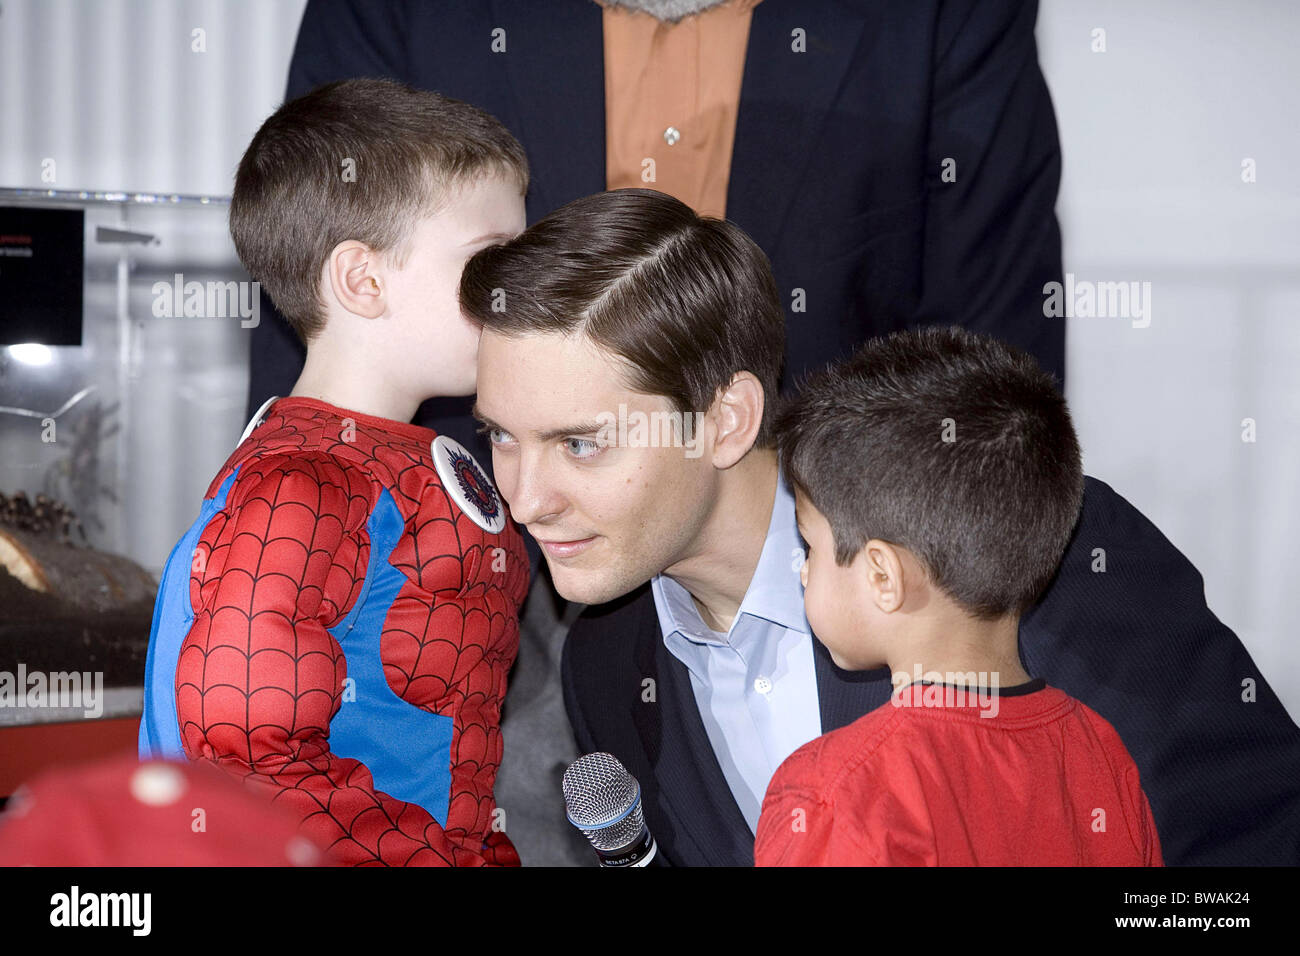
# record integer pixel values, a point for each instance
(638, 853)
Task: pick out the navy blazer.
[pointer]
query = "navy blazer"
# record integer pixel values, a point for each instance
(837, 166)
(1134, 642)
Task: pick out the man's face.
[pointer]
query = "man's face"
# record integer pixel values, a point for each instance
(608, 517)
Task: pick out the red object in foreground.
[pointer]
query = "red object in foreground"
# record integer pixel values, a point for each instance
(31, 748)
(121, 812)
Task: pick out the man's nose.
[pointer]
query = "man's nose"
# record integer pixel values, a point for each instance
(527, 486)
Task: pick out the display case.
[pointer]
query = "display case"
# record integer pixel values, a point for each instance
(125, 323)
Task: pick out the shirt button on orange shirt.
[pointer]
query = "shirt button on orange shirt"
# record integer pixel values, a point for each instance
(672, 95)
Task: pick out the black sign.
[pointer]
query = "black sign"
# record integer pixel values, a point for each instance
(42, 256)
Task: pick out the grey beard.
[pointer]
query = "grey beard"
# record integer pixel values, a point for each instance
(667, 10)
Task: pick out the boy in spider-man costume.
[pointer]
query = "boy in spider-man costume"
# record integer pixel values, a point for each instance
(337, 626)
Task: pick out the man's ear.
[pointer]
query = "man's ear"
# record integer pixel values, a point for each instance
(737, 415)
(356, 279)
(886, 576)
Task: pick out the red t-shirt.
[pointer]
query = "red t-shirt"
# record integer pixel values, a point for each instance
(926, 780)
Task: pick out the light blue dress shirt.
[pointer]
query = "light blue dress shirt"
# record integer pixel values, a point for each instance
(756, 686)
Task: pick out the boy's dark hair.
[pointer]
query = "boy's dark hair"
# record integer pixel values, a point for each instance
(686, 301)
(950, 444)
(292, 203)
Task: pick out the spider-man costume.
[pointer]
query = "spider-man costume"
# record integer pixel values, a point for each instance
(337, 627)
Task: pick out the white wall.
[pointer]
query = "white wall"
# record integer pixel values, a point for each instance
(114, 92)
(1153, 134)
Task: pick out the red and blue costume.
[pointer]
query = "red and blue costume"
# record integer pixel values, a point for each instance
(337, 627)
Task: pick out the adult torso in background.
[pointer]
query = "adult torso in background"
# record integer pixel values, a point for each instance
(847, 112)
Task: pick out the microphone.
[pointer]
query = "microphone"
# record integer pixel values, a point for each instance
(603, 800)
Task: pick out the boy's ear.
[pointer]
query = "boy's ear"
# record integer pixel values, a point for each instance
(886, 579)
(736, 416)
(355, 279)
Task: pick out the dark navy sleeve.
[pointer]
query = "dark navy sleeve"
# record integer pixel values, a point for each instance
(991, 235)
(1124, 627)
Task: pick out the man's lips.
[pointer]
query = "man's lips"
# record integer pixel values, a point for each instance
(566, 549)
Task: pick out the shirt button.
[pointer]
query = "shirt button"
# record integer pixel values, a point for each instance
(671, 135)
(763, 685)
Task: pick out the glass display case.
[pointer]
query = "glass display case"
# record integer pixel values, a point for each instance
(110, 429)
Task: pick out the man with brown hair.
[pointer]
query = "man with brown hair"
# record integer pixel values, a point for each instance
(337, 625)
(588, 284)
(694, 663)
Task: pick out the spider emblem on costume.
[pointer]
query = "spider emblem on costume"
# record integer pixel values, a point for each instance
(468, 484)
(474, 483)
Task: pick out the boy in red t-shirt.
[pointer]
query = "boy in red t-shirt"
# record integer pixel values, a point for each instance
(937, 479)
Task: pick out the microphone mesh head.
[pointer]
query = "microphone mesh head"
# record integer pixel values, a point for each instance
(603, 800)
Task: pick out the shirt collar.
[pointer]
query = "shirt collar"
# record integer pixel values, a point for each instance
(738, 5)
(775, 593)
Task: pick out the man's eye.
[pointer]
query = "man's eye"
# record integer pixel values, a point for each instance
(582, 447)
(497, 436)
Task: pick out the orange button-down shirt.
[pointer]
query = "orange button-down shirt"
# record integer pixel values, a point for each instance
(672, 94)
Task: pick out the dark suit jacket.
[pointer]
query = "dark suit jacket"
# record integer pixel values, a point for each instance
(837, 165)
(1136, 643)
